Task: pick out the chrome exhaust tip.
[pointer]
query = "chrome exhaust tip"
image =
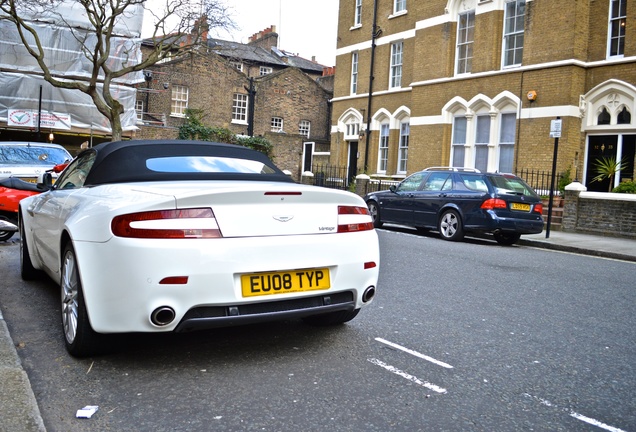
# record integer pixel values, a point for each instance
(162, 316)
(368, 294)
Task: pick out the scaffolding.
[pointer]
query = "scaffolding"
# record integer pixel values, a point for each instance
(67, 36)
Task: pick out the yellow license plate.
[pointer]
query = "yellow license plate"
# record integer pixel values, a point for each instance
(257, 284)
(521, 207)
(30, 179)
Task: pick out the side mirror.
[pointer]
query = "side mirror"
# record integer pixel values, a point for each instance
(392, 188)
(45, 181)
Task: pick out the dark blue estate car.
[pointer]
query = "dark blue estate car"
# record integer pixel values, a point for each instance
(456, 201)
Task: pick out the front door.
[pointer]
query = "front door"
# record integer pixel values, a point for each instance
(352, 162)
(308, 156)
(599, 146)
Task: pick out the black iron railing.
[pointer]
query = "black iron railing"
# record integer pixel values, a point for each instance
(540, 181)
(337, 177)
(331, 176)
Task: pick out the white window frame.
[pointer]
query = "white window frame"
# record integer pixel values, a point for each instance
(354, 72)
(507, 143)
(179, 100)
(304, 128)
(139, 109)
(399, 7)
(512, 36)
(617, 24)
(265, 70)
(357, 14)
(465, 42)
(240, 103)
(383, 148)
(397, 60)
(276, 124)
(458, 142)
(482, 141)
(403, 147)
(237, 65)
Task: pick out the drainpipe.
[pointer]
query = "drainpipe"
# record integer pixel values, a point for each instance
(375, 32)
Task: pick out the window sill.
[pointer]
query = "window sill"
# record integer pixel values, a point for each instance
(239, 122)
(398, 14)
(356, 27)
(177, 115)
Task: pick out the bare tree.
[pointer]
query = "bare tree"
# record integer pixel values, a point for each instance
(178, 27)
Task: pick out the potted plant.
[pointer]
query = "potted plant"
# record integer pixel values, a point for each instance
(606, 168)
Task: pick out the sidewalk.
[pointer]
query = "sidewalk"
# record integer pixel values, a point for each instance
(19, 411)
(586, 244)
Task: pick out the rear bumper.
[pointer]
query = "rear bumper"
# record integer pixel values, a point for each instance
(206, 317)
(495, 222)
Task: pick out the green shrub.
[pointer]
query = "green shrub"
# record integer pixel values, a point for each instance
(194, 129)
(625, 187)
(564, 180)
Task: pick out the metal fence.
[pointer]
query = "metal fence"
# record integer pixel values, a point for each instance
(331, 176)
(335, 177)
(540, 181)
(375, 185)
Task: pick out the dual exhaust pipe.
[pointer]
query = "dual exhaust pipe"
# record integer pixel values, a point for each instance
(164, 315)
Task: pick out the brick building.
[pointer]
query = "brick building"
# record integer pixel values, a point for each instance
(477, 83)
(291, 95)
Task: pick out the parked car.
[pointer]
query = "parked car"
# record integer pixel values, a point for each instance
(161, 236)
(456, 201)
(27, 160)
(12, 191)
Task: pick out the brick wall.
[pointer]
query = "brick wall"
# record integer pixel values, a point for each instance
(556, 33)
(600, 213)
(293, 96)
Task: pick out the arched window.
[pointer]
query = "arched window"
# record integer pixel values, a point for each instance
(624, 117)
(604, 117)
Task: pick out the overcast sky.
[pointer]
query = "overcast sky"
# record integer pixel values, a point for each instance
(306, 28)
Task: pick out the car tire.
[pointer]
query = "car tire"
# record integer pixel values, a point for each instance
(80, 338)
(450, 226)
(6, 235)
(331, 318)
(27, 270)
(507, 239)
(374, 211)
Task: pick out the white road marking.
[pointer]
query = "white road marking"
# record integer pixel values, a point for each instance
(409, 377)
(578, 416)
(415, 353)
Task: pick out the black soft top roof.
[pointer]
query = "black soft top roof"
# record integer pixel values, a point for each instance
(125, 161)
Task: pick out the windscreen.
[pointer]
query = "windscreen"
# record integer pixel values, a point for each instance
(32, 155)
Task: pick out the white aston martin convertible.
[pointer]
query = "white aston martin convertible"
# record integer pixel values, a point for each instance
(161, 236)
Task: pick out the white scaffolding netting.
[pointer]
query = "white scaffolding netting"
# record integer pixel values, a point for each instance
(67, 39)
(22, 91)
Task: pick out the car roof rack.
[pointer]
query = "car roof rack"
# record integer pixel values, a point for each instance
(440, 168)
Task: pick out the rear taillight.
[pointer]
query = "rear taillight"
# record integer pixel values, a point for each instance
(167, 224)
(352, 219)
(538, 208)
(494, 203)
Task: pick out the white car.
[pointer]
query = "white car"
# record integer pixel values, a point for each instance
(161, 236)
(28, 160)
